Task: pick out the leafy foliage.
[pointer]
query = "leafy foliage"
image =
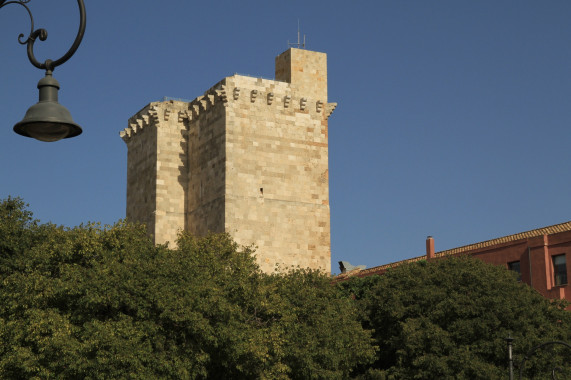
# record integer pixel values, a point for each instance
(99, 302)
(448, 319)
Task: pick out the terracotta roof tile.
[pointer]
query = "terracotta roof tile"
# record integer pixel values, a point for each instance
(562, 227)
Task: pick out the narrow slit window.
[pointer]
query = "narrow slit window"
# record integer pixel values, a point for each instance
(515, 266)
(560, 270)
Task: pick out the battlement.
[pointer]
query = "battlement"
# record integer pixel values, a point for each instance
(231, 89)
(274, 93)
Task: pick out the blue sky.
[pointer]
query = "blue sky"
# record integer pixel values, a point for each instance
(453, 117)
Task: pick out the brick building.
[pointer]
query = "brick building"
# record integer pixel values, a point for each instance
(248, 157)
(539, 256)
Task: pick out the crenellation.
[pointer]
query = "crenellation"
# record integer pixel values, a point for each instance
(221, 92)
(253, 95)
(329, 108)
(127, 133)
(183, 116)
(144, 120)
(153, 115)
(202, 103)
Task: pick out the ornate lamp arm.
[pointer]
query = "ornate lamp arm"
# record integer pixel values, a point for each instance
(42, 34)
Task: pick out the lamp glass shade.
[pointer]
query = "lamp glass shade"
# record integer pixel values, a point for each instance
(47, 131)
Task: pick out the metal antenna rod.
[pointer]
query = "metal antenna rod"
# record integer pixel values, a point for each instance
(297, 32)
(299, 44)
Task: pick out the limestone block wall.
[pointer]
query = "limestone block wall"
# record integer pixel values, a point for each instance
(206, 164)
(141, 169)
(156, 175)
(171, 183)
(306, 70)
(277, 187)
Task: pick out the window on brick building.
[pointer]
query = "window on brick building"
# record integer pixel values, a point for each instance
(560, 270)
(515, 266)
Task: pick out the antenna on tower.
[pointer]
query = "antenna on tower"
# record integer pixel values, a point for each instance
(297, 44)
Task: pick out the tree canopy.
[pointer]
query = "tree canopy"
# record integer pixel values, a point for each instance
(99, 302)
(448, 319)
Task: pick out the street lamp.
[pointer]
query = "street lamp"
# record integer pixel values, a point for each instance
(521, 365)
(47, 120)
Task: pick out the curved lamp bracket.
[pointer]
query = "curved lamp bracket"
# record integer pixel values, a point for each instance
(42, 34)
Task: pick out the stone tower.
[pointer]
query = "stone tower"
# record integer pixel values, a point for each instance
(249, 157)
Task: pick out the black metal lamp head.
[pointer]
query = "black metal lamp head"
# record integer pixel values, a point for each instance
(48, 120)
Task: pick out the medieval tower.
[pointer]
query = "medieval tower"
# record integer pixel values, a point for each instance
(249, 157)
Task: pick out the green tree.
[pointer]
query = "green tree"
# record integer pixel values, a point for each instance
(99, 302)
(321, 336)
(448, 319)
